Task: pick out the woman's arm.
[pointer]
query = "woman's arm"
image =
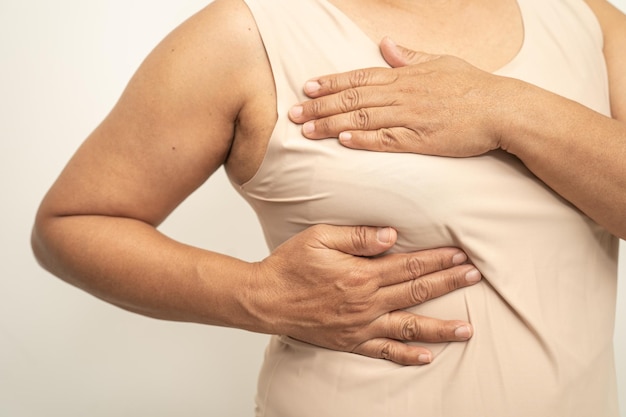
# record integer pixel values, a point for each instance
(171, 129)
(429, 102)
(579, 153)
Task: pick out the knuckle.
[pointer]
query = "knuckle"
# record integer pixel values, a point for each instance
(330, 84)
(360, 119)
(349, 100)
(415, 139)
(323, 125)
(416, 267)
(386, 138)
(315, 108)
(386, 350)
(359, 237)
(423, 135)
(410, 329)
(412, 56)
(358, 78)
(421, 291)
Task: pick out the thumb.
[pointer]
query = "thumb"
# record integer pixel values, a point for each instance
(399, 56)
(357, 240)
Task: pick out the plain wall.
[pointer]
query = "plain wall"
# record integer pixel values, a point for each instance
(62, 352)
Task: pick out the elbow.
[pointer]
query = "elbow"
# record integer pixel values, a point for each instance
(39, 245)
(47, 240)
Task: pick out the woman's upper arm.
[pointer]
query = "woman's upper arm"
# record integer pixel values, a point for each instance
(172, 127)
(613, 23)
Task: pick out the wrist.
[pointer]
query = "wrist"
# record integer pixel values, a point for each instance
(228, 294)
(509, 114)
(256, 301)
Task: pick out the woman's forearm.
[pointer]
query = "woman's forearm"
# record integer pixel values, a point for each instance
(579, 153)
(130, 264)
(320, 286)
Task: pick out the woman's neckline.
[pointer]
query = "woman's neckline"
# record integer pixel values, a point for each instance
(501, 69)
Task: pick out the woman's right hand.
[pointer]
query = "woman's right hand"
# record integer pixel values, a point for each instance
(327, 286)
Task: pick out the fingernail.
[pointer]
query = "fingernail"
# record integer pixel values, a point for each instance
(311, 87)
(459, 258)
(425, 358)
(462, 332)
(296, 111)
(473, 276)
(308, 127)
(345, 137)
(384, 235)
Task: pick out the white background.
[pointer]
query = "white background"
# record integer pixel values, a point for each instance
(63, 353)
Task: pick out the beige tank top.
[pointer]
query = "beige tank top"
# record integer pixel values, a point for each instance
(544, 313)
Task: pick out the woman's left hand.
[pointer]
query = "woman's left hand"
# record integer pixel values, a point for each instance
(428, 104)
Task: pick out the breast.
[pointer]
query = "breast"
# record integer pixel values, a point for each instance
(541, 257)
(430, 200)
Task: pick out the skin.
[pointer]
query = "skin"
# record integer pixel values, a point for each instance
(174, 125)
(577, 152)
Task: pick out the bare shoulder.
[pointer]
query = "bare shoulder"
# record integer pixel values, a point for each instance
(221, 40)
(226, 36)
(173, 125)
(255, 82)
(613, 23)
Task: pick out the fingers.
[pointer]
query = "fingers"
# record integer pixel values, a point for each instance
(346, 101)
(373, 117)
(426, 265)
(368, 293)
(333, 83)
(399, 56)
(395, 55)
(404, 326)
(422, 289)
(395, 351)
(355, 240)
(373, 114)
(400, 326)
(342, 95)
(392, 53)
(395, 139)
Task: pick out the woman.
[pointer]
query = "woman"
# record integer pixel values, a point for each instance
(543, 315)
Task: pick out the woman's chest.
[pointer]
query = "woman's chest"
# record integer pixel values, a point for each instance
(486, 33)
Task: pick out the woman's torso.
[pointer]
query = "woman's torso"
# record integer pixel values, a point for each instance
(543, 314)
